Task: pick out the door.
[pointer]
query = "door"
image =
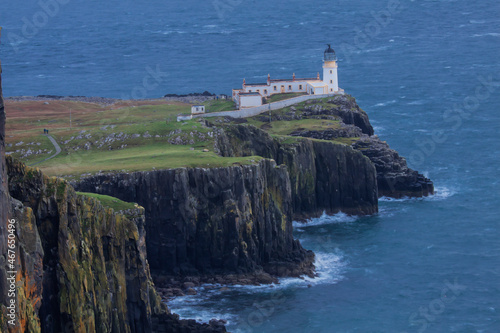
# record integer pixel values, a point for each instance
(282, 89)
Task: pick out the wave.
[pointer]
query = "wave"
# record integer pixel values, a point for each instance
(385, 103)
(197, 307)
(168, 32)
(376, 49)
(490, 34)
(440, 193)
(340, 217)
(329, 268)
(417, 102)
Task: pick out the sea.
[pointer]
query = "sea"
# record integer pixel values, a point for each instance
(427, 72)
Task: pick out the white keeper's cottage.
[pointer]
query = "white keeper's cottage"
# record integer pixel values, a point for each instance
(251, 94)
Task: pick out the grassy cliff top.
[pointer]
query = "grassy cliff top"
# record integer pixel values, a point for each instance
(111, 202)
(133, 136)
(126, 136)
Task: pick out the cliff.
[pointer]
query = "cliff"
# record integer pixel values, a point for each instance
(214, 221)
(394, 177)
(81, 266)
(324, 176)
(238, 219)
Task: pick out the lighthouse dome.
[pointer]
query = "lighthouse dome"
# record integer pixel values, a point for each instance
(330, 54)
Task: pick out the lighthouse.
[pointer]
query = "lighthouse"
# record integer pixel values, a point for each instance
(255, 94)
(330, 70)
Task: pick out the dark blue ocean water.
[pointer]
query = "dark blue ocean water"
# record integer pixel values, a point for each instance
(426, 76)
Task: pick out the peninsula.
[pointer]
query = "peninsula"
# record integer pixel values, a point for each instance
(163, 206)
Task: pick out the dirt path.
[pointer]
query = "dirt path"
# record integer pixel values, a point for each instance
(56, 145)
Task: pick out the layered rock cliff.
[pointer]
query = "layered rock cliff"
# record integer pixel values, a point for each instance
(80, 266)
(394, 177)
(238, 219)
(325, 176)
(214, 221)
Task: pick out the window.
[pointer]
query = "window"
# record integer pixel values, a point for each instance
(275, 88)
(331, 81)
(265, 91)
(331, 72)
(289, 87)
(300, 86)
(258, 90)
(250, 91)
(331, 89)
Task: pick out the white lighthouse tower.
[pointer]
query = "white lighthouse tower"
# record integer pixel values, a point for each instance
(330, 70)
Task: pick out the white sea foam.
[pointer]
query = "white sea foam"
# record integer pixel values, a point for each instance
(490, 34)
(417, 102)
(376, 49)
(326, 219)
(440, 193)
(329, 269)
(385, 103)
(192, 307)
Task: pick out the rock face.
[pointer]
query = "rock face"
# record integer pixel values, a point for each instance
(238, 219)
(342, 107)
(394, 178)
(214, 221)
(324, 176)
(345, 108)
(81, 267)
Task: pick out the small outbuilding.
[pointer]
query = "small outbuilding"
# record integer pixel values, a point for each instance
(197, 109)
(316, 88)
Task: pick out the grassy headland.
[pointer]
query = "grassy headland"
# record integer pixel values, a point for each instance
(132, 136)
(126, 137)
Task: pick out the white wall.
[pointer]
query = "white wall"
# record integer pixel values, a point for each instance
(312, 90)
(263, 108)
(247, 101)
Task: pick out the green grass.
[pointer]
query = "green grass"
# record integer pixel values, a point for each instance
(45, 144)
(141, 158)
(110, 202)
(281, 97)
(219, 105)
(346, 141)
(286, 127)
(138, 151)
